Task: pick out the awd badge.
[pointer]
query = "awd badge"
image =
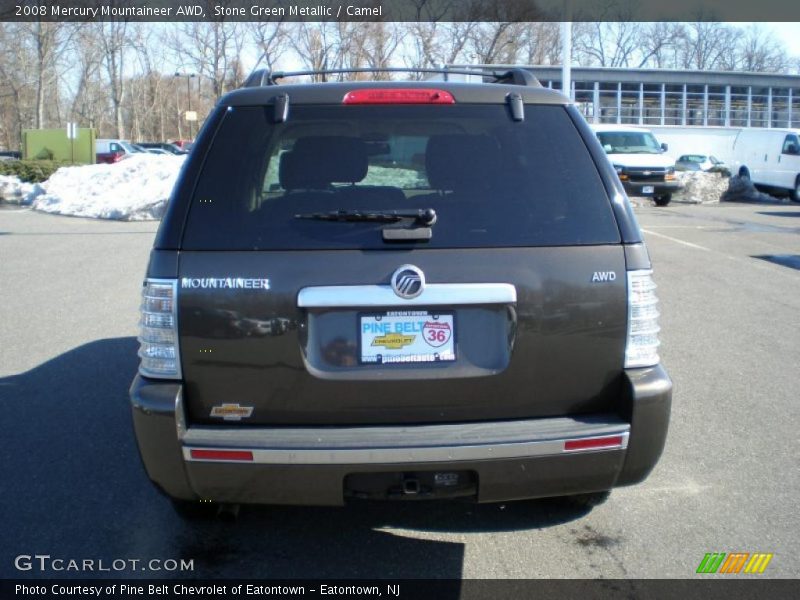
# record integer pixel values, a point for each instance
(232, 412)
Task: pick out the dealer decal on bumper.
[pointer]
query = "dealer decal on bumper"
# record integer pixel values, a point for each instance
(232, 412)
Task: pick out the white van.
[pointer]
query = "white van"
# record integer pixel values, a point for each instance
(640, 161)
(770, 158)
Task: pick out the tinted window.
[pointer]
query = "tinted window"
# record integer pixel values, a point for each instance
(628, 142)
(492, 181)
(791, 144)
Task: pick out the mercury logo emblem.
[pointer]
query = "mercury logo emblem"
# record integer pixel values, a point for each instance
(408, 281)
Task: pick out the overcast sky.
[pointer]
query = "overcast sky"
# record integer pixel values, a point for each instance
(789, 33)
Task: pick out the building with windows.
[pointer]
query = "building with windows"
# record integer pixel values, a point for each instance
(684, 98)
(692, 111)
(664, 97)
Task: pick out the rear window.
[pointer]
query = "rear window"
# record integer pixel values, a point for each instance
(493, 182)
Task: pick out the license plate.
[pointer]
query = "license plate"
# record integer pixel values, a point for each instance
(415, 336)
(648, 189)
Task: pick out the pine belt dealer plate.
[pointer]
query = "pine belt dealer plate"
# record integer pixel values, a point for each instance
(648, 189)
(401, 336)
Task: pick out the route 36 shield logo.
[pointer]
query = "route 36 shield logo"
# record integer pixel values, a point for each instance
(436, 334)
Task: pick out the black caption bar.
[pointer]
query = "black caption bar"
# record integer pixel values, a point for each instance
(416, 589)
(401, 10)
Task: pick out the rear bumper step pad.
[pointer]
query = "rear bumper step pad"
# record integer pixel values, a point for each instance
(405, 444)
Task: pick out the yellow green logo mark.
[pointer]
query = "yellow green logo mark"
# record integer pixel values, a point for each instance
(734, 562)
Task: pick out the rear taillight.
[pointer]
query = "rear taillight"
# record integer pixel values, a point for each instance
(244, 455)
(398, 96)
(642, 347)
(158, 334)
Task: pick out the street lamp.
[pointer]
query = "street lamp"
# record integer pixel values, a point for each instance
(190, 116)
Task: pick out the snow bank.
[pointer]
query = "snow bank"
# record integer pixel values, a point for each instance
(398, 177)
(19, 192)
(707, 188)
(138, 188)
(743, 190)
(134, 189)
(700, 187)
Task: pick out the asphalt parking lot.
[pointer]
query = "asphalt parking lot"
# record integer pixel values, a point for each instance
(73, 486)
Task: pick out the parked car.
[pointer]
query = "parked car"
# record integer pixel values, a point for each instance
(167, 147)
(770, 158)
(640, 161)
(701, 162)
(160, 151)
(320, 323)
(183, 144)
(10, 155)
(111, 151)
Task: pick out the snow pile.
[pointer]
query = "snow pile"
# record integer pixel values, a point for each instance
(134, 189)
(700, 187)
(397, 177)
(19, 192)
(743, 190)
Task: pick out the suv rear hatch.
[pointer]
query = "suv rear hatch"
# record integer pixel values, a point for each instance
(290, 312)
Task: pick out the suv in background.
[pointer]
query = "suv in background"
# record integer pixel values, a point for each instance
(112, 151)
(398, 290)
(170, 148)
(639, 161)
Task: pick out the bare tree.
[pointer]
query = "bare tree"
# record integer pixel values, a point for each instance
(46, 40)
(208, 49)
(15, 90)
(436, 44)
(707, 45)
(382, 41)
(87, 60)
(607, 44)
(351, 52)
(317, 45)
(114, 42)
(758, 51)
(119, 76)
(271, 40)
(658, 44)
(495, 42)
(149, 101)
(541, 43)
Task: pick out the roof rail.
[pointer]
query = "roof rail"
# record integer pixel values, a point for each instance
(259, 78)
(513, 76)
(519, 76)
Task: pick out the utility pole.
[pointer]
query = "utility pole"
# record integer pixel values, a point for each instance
(566, 50)
(190, 114)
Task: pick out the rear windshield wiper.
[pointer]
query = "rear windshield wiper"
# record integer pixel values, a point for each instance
(419, 228)
(424, 216)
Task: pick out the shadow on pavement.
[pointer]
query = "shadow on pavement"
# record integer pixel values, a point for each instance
(780, 214)
(784, 260)
(75, 489)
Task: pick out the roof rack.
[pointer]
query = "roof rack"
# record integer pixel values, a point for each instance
(513, 76)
